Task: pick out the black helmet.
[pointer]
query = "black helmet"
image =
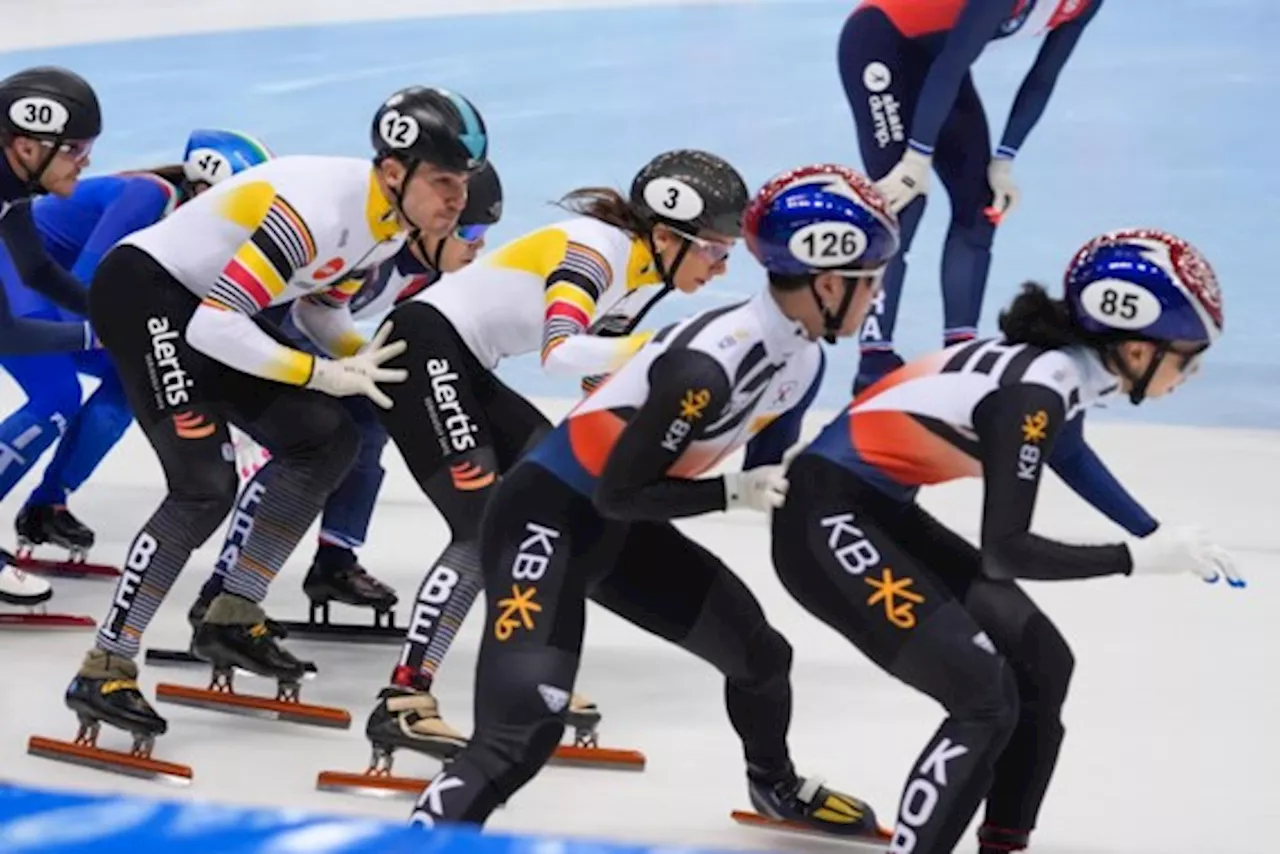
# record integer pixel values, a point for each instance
(691, 191)
(428, 125)
(484, 198)
(49, 103)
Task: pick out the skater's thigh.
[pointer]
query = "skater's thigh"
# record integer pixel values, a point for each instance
(671, 586)
(962, 155)
(537, 542)
(837, 560)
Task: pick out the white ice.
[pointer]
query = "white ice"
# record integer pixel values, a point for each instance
(1170, 746)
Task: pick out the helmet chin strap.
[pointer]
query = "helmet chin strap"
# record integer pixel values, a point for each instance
(1138, 385)
(33, 184)
(832, 321)
(668, 276)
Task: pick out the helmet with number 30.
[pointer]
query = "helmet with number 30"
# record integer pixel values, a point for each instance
(821, 218)
(1144, 284)
(213, 156)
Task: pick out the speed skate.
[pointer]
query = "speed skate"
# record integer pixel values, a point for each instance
(404, 722)
(19, 589)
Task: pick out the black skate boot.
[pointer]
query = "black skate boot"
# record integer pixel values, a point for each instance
(209, 592)
(106, 690)
(234, 634)
(336, 576)
(405, 717)
(1001, 840)
(806, 802)
(51, 523)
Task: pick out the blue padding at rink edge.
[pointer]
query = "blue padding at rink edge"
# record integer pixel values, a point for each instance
(52, 821)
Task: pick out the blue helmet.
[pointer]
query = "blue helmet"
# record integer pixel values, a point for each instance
(820, 218)
(215, 155)
(1147, 284)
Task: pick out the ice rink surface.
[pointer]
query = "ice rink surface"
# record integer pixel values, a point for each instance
(1165, 117)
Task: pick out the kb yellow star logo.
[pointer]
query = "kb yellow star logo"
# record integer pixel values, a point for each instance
(1034, 426)
(899, 602)
(694, 403)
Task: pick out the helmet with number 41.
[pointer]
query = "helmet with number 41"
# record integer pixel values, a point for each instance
(213, 156)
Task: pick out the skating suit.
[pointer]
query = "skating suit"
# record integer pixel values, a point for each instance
(296, 229)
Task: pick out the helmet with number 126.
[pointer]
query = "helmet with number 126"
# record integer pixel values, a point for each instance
(1144, 284)
(821, 218)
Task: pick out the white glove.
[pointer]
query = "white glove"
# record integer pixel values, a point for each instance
(1004, 191)
(762, 488)
(905, 181)
(1183, 549)
(359, 374)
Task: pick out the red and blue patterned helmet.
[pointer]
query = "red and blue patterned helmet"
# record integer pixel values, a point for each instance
(819, 218)
(1144, 283)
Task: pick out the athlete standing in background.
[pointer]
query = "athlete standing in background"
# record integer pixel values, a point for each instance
(905, 65)
(854, 548)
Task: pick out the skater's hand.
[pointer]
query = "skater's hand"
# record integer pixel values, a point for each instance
(1183, 549)
(1004, 191)
(360, 374)
(905, 181)
(762, 488)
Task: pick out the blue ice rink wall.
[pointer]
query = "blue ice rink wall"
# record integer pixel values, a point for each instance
(1165, 117)
(49, 822)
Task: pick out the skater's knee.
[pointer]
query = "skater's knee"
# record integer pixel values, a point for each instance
(1046, 668)
(203, 499)
(970, 224)
(768, 655)
(328, 440)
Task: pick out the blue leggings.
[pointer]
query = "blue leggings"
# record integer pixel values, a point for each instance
(960, 158)
(53, 409)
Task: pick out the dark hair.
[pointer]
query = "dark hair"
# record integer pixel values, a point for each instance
(608, 206)
(790, 281)
(1038, 319)
(173, 173)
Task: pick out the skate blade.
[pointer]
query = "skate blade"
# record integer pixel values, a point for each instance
(343, 633)
(66, 568)
(608, 758)
(370, 785)
(753, 819)
(113, 761)
(183, 657)
(251, 706)
(46, 621)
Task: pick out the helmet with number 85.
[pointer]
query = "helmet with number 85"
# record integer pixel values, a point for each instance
(422, 124)
(213, 156)
(1144, 284)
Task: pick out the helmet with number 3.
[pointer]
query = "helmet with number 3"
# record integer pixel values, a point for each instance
(691, 191)
(421, 124)
(821, 218)
(213, 156)
(1144, 284)
(49, 103)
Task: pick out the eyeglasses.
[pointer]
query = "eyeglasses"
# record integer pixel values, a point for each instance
(76, 149)
(713, 250)
(470, 233)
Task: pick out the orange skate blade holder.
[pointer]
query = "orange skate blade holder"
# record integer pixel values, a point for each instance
(72, 567)
(382, 783)
(753, 819)
(37, 620)
(612, 758)
(117, 761)
(223, 699)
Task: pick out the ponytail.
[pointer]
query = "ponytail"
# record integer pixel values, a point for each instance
(1038, 319)
(609, 207)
